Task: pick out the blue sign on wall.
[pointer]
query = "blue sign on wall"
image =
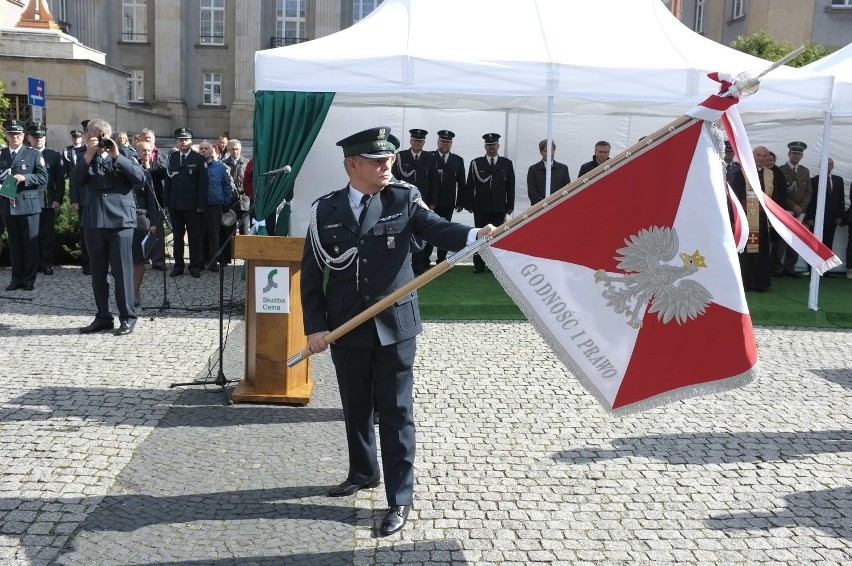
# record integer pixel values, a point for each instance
(36, 92)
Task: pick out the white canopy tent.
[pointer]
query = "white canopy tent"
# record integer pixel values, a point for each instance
(611, 69)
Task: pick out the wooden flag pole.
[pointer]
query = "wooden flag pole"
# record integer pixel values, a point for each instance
(745, 83)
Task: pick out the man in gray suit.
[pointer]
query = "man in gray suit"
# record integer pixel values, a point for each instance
(21, 214)
(109, 219)
(360, 238)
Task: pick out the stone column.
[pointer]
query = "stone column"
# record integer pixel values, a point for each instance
(168, 59)
(326, 17)
(247, 39)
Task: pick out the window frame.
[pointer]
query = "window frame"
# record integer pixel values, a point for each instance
(211, 16)
(137, 19)
(700, 13)
(209, 84)
(136, 86)
(738, 9)
(298, 29)
(358, 12)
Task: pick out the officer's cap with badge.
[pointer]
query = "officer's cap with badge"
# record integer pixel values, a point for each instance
(374, 143)
(728, 147)
(76, 134)
(13, 126)
(85, 124)
(491, 138)
(418, 134)
(183, 133)
(446, 135)
(797, 147)
(37, 130)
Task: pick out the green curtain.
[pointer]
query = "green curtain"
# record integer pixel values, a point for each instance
(285, 127)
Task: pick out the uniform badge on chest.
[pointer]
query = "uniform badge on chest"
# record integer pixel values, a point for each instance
(391, 242)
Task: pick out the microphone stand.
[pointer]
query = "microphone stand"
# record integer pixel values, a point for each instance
(221, 381)
(166, 305)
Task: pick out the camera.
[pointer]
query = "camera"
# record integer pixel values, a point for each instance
(105, 143)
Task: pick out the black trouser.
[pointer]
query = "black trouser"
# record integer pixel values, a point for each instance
(84, 259)
(387, 371)
(480, 219)
(23, 247)
(46, 237)
(112, 248)
(187, 222)
(212, 227)
(447, 214)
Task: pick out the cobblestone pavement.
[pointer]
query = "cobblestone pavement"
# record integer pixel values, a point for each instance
(103, 463)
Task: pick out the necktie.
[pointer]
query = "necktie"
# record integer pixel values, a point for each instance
(365, 202)
(445, 158)
(13, 155)
(182, 160)
(416, 157)
(492, 162)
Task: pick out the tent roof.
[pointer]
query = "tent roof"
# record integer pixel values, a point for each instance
(603, 57)
(838, 64)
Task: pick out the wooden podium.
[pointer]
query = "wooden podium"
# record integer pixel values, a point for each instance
(272, 338)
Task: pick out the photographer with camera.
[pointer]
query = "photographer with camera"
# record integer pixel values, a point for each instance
(109, 219)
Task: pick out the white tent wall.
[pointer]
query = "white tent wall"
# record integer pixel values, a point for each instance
(574, 136)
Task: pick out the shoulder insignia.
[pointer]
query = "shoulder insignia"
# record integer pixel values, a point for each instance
(323, 197)
(419, 202)
(40, 160)
(396, 183)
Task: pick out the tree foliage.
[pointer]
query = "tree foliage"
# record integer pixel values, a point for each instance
(761, 45)
(4, 105)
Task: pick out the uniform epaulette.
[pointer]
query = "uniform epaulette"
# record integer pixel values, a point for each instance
(401, 184)
(323, 197)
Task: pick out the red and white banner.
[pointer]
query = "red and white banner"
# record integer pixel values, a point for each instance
(634, 280)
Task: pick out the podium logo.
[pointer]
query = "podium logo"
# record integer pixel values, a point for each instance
(271, 284)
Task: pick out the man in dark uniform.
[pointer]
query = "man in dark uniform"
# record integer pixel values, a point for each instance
(185, 197)
(360, 236)
(107, 178)
(450, 187)
(21, 214)
(490, 189)
(417, 167)
(602, 149)
(834, 213)
(54, 194)
(72, 154)
(537, 174)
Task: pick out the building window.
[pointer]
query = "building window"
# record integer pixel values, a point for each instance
(212, 22)
(134, 15)
(136, 85)
(20, 109)
(213, 89)
(841, 3)
(59, 9)
(699, 16)
(290, 21)
(362, 8)
(739, 9)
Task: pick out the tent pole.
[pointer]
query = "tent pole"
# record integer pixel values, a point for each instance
(813, 289)
(548, 164)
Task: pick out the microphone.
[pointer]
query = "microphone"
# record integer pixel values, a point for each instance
(285, 169)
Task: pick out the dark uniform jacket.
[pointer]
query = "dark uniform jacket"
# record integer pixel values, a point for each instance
(450, 186)
(588, 166)
(420, 173)
(383, 264)
(76, 193)
(107, 187)
(186, 187)
(55, 190)
(69, 158)
(834, 206)
(29, 163)
(146, 203)
(490, 189)
(537, 179)
(800, 183)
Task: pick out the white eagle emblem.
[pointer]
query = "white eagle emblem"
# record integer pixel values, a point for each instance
(648, 279)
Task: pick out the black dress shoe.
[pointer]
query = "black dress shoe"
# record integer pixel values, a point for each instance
(195, 272)
(13, 286)
(177, 271)
(159, 266)
(213, 267)
(125, 328)
(394, 520)
(348, 487)
(47, 270)
(98, 325)
(478, 269)
(27, 286)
